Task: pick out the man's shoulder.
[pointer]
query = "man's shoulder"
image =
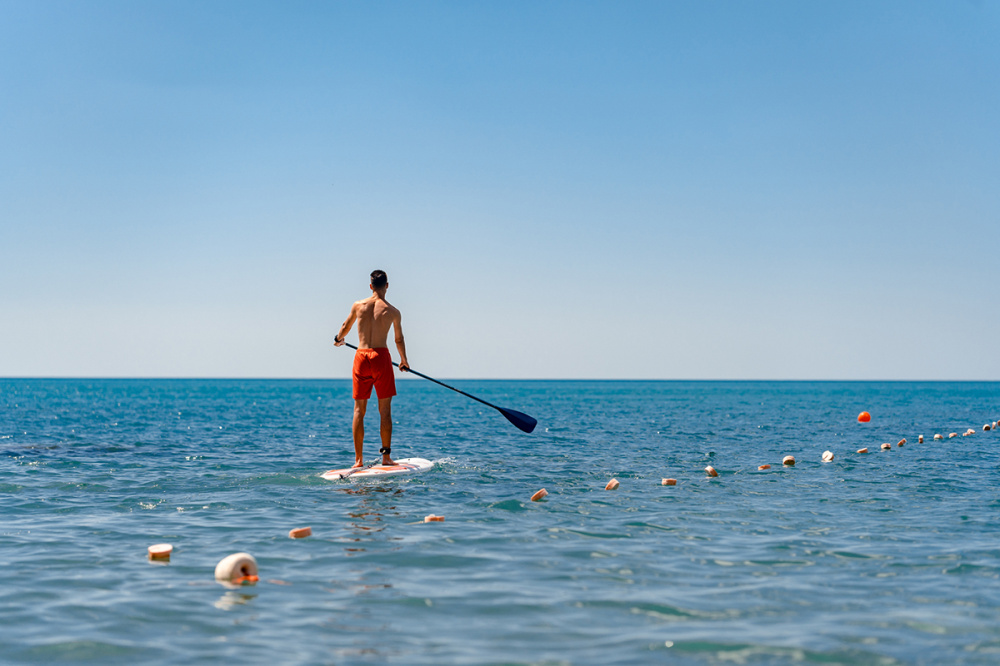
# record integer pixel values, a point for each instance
(387, 309)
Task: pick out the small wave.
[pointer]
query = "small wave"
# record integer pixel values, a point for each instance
(509, 505)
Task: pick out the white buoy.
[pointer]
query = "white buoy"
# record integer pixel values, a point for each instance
(827, 456)
(237, 569)
(788, 460)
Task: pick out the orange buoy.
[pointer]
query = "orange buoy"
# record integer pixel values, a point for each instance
(539, 495)
(901, 442)
(433, 519)
(864, 417)
(864, 450)
(612, 484)
(952, 435)
(160, 551)
(711, 471)
(763, 467)
(827, 456)
(237, 569)
(300, 532)
(886, 445)
(788, 460)
(668, 482)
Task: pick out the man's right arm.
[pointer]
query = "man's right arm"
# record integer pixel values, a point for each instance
(345, 328)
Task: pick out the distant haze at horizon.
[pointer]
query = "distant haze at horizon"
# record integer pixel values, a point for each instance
(563, 190)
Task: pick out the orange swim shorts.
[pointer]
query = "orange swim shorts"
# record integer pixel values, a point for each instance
(373, 367)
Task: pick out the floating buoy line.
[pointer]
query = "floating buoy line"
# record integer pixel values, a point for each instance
(828, 456)
(241, 569)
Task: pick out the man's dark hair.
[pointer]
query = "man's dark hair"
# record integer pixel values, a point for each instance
(379, 279)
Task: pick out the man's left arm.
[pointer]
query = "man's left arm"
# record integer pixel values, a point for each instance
(397, 326)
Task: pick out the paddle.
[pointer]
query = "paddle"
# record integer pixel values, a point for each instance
(521, 421)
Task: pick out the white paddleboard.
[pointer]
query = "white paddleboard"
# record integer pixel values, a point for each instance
(402, 466)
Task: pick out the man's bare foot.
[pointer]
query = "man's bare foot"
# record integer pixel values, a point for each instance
(358, 463)
(386, 460)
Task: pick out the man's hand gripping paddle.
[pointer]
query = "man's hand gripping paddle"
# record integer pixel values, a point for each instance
(520, 420)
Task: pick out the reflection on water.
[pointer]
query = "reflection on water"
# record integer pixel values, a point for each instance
(370, 514)
(231, 599)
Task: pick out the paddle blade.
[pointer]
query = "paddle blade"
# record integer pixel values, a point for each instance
(520, 421)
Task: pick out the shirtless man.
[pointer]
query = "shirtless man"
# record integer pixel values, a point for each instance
(373, 364)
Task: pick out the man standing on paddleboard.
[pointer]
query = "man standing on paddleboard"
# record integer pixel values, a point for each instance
(373, 364)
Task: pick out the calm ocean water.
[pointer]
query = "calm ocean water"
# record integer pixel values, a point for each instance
(890, 557)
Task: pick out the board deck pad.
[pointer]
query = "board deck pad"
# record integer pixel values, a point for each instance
(402, 466)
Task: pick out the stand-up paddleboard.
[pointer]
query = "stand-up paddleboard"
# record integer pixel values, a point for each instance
(402, 466)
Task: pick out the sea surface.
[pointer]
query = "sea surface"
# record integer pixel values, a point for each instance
(890, 557)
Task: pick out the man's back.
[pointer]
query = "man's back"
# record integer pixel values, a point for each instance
(375, 317)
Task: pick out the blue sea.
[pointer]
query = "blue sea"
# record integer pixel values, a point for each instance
(890, 557)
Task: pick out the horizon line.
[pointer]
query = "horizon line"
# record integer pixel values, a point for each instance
(488, 379)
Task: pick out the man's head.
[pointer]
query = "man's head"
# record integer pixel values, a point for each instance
(379, 280)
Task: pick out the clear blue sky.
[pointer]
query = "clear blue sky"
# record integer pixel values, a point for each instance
(790, 190)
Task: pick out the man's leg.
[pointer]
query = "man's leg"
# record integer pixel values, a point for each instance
(385, 429)
(360, 407)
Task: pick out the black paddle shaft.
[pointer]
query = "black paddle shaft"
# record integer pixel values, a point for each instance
(521, 421)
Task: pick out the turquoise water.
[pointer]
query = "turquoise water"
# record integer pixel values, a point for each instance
(890, 557)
